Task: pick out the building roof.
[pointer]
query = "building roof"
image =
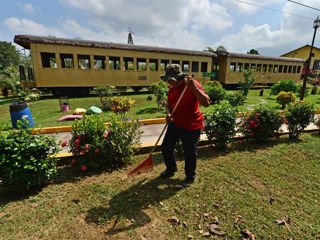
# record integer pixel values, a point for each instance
(255, 56)
(307, 45)
(25, 40)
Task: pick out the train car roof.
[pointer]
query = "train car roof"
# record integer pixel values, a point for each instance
(25, 40)
(255, 56)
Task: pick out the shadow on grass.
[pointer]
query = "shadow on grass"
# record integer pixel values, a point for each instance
(148, 110)
(131, 203)
(8, 100)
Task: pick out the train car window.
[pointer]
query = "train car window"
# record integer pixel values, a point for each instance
(99, 62)
(240, 67)
(66, 60)
(232, 67)
(48, 60)
(185, 66)
(194, 66)
(84, 61)
(316, 64)
(175, 62)
(114, 63)
(246, 66)
(258, 68)
(141, 64)
(294, 69)
(264, 68)
(275, 68)
(280, 68)
(270, 68)
(299, 69)
(290, 69)
(163, 64)
(285, 69)
(204, 67)
(153, 64)
(128, 63)
(253, 67)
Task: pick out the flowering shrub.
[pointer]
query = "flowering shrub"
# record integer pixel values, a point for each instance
(262, 123)
(25, 160)
(116, 104)
(284, 98)
(221, 124)
(299, 116)
(94, 145)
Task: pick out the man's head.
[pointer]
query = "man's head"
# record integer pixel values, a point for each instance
(173, 73)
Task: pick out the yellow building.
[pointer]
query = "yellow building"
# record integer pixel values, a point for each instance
(303, 52)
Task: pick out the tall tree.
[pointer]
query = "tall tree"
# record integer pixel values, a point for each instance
(221, 49)
(9, 56)
(253, 51)
(209, 49)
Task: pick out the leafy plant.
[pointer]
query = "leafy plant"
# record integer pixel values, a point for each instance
(214, 84)
(307, 89)
(283, 86)
(235, 99)
(25, 160)
(221, 124)
(116, 104)
(299, 116)
(160, 90)
(262, 123)
(314, 90)
(284, 98)
(247, 82)
(215, 93)
(94, 145)
(103, 91)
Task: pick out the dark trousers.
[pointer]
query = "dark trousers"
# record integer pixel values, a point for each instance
(189, 141)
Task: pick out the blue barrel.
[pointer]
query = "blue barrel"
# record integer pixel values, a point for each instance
(19, 110)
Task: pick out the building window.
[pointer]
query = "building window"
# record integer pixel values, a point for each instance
(153, 64)
(141, 64)
(99, 62)
(290, 69)
(275, 68)
(280, 68)
(299, 69)
(316, 64)
(185, 66)
(264, 68)
(246, 66)
(239, 67)
(48, 60)
(285, 69)
(270, 68)
(128, 63)
(84, 61)
(195, 66)
(66, 60)
(204, 67)
(253, 67)
(163, 64)
(258, 67)
(114, 63)
(175, 62)
(232, 67)
(294, 70)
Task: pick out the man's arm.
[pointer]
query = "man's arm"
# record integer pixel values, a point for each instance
(203, 98)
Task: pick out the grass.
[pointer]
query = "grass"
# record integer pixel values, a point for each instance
(45, 113)
(248, 187)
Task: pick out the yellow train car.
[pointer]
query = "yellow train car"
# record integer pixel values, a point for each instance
(72, 65)
(267, 70)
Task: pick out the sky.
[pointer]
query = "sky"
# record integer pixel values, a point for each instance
(274, 27)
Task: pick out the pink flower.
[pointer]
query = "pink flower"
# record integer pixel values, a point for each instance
(86, 147)
(83, 168)
(64, 144)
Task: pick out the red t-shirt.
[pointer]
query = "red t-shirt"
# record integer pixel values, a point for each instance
(187, 114)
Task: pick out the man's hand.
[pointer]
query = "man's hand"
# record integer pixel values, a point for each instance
(189, 82)
(169, 118)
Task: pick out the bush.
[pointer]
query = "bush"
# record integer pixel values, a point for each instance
(116, 104)
(25, 161)
(299, 89)
(284, 98)
(314, 90)
(32, 97)
(236, 99)
(103, 91)
(160, 90)
(214, 84)
(298, 116)
(283, 85)
(262, 123)
(221, 124)
(95, 146)
(215, 93)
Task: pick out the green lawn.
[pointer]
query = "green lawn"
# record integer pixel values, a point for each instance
(248, 187)
(46, 112)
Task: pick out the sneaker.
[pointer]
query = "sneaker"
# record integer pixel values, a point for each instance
(167, 174)
(187, 182)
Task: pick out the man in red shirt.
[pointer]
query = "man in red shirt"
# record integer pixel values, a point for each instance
(186, 122)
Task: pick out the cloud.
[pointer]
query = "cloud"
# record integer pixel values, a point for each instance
(27, 26)
(247, 6)
(27, 7)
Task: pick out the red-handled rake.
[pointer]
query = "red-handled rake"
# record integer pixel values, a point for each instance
(147, 164)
